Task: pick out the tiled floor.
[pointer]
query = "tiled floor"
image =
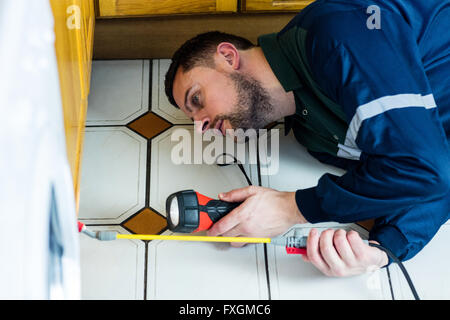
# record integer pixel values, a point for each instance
(127, 175)
(112, 270)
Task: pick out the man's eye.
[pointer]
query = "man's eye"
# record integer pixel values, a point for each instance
(195, 100)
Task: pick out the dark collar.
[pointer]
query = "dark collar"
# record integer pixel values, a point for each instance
(279, 62)
(282, 69)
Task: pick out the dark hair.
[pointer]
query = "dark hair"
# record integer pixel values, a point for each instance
(199, 51)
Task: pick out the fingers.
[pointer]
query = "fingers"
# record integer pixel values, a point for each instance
(313, 252)
(383, 258)
(358, 246)
(238, 195)
(331, 252)
(235, 232)
(343, 247)
(225, 224)
(232, 219)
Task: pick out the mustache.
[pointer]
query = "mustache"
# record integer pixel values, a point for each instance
(237, 121)
(217, 119)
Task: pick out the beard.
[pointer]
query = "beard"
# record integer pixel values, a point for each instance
(253, 109)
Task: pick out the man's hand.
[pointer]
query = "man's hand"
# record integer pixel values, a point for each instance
(338, 254)
(264, 213)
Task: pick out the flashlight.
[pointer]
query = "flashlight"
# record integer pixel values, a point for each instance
(189, 211)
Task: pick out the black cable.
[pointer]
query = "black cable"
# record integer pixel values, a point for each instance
(388, 252)
(235, 161)
(402, 267)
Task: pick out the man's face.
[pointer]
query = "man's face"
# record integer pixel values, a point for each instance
(222, 100)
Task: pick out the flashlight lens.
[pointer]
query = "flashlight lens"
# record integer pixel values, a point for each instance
(174, 212)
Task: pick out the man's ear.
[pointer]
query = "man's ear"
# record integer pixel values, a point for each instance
(227, 56)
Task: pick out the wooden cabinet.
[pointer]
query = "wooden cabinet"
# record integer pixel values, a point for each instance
(133, 8)
(274, 5)
(74, 33)
(121, 8)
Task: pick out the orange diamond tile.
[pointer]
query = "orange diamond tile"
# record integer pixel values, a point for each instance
(146, 222)
(149, 125)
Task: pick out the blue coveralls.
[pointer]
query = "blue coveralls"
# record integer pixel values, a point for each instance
(393, 83)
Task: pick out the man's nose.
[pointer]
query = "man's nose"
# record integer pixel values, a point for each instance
(202, 125)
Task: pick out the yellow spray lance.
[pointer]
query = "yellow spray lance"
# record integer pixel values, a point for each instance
(293, 244)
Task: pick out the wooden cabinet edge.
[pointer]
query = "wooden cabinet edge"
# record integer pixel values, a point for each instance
(216, 7)
(251, 6)
(79, 153)
(74, 54)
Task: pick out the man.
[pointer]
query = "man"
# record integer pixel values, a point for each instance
(364, 86)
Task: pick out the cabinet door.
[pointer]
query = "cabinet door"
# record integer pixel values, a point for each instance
(73, 26)
(274, 5)
(121, 8)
